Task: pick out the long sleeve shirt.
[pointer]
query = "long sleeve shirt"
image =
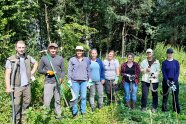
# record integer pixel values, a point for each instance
(171, 70)
(155, 68)
(136, 71)
(58, 64)
(79, 70)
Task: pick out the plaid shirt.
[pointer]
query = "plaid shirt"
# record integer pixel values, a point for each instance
(137, 71)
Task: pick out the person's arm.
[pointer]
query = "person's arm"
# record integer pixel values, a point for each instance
(62, 70)
(163, 68)
(122, 70)
(34, 68)
(177, 71)
(117, 68)
(142, 67)
(70, 67)
(137, 71)
(157, 72)
(7, 80)
(41, 68)
(8, 76)
(102, 70)
(35, 65)
(88, 70)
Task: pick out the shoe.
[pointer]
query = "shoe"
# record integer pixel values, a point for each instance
(153, 110)
(83, 114)
(92, 109)
(128, 105)
(100, 106)
(58, 117)
(143, 109)
(75, 115)
(133, 105)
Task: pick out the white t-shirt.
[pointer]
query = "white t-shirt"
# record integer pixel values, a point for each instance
(110, 68)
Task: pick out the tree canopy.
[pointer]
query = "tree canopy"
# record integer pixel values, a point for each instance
(122, 25)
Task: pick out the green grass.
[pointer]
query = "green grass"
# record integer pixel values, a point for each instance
(109, 114)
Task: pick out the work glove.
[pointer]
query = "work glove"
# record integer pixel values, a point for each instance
(116, 80)
(172, 86)
(90, 83)
(60, 80)
(69, 83)
(51, 73)
(168, 83)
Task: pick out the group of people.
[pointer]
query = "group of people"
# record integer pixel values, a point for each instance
(93, 73)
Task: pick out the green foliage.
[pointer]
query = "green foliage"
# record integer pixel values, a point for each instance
(145, 23)
(113, 114)
(179, 54)
(171, 21)
(71, 35)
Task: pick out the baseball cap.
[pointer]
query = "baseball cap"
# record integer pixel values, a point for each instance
(53, 45)
(170, 50)
(79, 48)
(149, 50)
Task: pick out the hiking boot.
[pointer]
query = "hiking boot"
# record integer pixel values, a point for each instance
(58, 117)
(83, 114)
(75, 115)
(133, 105)
(100, 106)
(128, 105)
(143, 109)
(92, 109)
(153, 110)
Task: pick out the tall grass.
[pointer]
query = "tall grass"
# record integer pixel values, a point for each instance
(114, 114)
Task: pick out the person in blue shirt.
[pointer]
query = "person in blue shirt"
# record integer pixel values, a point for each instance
(171, 71)
(98, 78)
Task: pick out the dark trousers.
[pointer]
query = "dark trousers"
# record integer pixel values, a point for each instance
(145, 91)
(109, 90)
(175, 101)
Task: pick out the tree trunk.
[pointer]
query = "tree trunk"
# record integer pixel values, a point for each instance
(47, 24)
(123, 40)
(87, 37)
(145, 43)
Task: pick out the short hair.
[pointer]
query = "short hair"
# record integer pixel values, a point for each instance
(93, 50)
(128, 54)
(111, 51)
(20, 41)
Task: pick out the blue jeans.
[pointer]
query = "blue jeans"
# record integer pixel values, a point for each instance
(82, 88)
(130, 90)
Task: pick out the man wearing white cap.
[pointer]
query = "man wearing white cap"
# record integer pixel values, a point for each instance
(78, 76)
(150, 68)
